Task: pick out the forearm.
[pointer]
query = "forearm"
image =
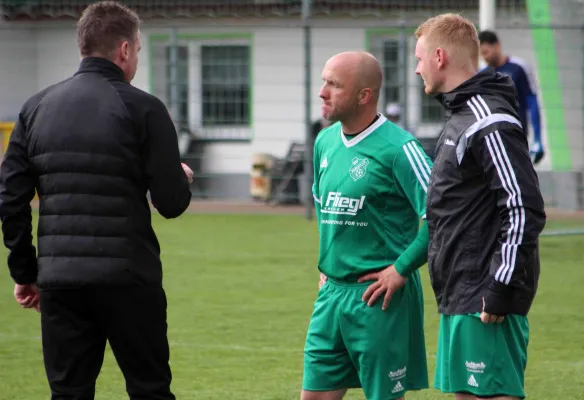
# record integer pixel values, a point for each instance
(518, 238)
(168, 184)
(416, 254)
(535, 117)
(22, 261)
(17, 189)
(513, 181)
(317, 207)
(515, 259)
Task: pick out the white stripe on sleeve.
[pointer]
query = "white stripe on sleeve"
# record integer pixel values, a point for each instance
(514, 204)
(316, 198)
(418, 164)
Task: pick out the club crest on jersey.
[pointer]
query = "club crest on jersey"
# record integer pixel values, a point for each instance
(358, 168)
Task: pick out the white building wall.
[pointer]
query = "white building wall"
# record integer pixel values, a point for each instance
(278, 77)
(58, 57)
(18, 70)
(34, 59)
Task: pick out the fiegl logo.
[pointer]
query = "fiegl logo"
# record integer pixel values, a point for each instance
(336, 203)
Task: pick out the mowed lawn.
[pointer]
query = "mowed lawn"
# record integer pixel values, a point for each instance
(240, 293)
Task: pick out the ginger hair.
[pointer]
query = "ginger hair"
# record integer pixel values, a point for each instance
(452, 32)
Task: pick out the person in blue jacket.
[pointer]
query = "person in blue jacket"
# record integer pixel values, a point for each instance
(521, 74)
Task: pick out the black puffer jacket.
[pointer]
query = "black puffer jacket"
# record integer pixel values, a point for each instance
(485, 210)
(92, 146)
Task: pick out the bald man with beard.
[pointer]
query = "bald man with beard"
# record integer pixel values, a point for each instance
(370, 181)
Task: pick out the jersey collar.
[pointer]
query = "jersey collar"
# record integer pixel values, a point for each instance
(359, 137)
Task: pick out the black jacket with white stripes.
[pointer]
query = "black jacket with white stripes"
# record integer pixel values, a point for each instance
(484, 208)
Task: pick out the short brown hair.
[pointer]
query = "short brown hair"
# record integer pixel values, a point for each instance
(103, 26)
(450, 30)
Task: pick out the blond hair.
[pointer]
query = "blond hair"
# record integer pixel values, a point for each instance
(450, 30)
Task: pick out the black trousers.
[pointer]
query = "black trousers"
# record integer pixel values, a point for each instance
(77, 323)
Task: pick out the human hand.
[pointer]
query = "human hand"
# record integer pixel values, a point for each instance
(487, 318)
(188, 172)
(322, 280)
(27, 296)
(388, 281)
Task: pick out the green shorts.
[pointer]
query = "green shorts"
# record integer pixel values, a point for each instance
(482, 359)
(352, 345)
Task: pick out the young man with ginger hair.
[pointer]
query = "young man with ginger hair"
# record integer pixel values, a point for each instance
(484, 212)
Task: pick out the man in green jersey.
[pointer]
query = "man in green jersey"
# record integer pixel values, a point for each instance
(370, 181)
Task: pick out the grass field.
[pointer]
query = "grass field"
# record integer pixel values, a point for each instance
(240, 292)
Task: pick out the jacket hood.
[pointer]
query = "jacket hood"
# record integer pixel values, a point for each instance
(486, 82)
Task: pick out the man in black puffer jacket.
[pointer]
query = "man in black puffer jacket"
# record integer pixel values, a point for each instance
(93, 146)
(485, 213)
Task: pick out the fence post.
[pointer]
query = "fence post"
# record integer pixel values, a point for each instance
(403, 66)
(487, 14)
(309, 141)
(174, 100)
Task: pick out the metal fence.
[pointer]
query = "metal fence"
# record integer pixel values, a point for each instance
(241, 79)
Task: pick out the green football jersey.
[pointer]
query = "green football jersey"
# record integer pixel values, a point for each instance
(370, 193)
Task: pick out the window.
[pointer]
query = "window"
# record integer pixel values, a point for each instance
(391, 70)
(225, 85)
(391, 54)
(213, 85)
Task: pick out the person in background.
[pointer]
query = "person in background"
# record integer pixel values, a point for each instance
(393, 113)
(318, 126)
(520, 73)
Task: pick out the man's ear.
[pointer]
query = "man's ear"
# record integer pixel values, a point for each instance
(441, 57)
(125, 50)
(365, 95)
